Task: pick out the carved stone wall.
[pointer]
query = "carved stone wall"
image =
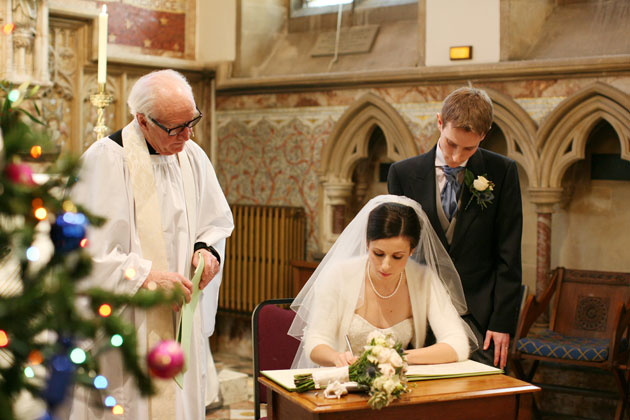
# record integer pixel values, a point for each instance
(23, 52)
(59, 104)
(524, 112)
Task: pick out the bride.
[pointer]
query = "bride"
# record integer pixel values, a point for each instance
(387, 271)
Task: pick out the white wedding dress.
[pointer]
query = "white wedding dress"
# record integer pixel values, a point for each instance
(360, 328)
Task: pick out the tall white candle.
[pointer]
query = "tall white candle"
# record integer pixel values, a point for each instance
(102, 45)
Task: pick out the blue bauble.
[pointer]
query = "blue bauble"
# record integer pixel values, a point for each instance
(60, 378)
(68, 231)
(47, 416)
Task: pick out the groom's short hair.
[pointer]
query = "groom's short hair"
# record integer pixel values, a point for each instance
(469, 109)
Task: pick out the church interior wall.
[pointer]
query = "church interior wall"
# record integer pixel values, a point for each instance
(466, 23)
(297, 125)
(586, 227)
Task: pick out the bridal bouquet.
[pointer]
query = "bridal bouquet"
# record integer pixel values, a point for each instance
(380, 370)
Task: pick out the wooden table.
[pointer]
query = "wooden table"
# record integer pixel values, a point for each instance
(488, 397)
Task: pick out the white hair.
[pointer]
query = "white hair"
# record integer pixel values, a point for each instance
(147, 93)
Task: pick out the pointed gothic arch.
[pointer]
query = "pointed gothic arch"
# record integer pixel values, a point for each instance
(519, 130)
(563, 135)
(350, 137)
(348, 144)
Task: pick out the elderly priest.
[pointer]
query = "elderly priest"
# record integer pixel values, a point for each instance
(163, 203)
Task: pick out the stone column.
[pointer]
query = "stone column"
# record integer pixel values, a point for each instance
(25, 20)
(543, 251)
(24, 52)
(545, 199)
(336, 194)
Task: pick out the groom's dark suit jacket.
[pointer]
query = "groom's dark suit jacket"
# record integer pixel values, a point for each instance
(486, 244)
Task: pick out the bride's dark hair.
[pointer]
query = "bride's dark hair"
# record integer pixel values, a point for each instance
(390, 220)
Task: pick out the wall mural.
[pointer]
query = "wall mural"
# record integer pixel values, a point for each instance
(272, 157)
(154, 27)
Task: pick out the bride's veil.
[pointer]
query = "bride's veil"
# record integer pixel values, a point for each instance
(352, 243)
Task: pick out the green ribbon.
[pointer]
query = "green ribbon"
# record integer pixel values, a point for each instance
(184, 329)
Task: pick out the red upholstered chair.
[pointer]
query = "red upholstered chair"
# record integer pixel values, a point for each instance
(273, 348)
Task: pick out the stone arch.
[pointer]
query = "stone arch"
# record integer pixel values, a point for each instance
(350, 137)
(348, 144)
(563, 135)
(519, 130)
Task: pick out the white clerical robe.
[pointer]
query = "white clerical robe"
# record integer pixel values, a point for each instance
(105, 189)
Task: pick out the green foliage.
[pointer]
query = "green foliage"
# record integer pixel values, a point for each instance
(48, 303)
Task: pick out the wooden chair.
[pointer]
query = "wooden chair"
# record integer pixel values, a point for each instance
(273, 348)
(588, 326)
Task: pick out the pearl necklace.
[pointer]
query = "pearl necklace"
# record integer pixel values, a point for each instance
(374, 288)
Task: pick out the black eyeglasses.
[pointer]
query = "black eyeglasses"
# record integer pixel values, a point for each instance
(177, 130)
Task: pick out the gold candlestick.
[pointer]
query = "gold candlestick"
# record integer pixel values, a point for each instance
(101, 100)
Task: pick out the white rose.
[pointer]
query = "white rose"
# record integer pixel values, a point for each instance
(383, 356)
(390, 386)
(376, 350)
(481, 183)
(386, 369)
(376, 335)
(379, 382)
(395, 359)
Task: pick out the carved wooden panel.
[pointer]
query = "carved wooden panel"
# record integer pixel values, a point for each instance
(585, 301)
(23, 51)
(592, 313)
(58, 101)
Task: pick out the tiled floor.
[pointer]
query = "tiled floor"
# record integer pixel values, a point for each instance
(239, 410)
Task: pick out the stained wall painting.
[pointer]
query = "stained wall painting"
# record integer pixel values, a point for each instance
(272, 157)
(151, 27)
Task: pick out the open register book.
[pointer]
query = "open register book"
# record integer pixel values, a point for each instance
(284, 377)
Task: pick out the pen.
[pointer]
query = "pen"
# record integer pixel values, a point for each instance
(348, 344)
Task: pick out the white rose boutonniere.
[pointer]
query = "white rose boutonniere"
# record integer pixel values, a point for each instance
(481, 183)
(480, 189)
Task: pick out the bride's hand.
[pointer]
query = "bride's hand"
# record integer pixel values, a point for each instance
(344, 359)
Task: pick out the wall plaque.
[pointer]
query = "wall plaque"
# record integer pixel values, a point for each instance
(353, 40)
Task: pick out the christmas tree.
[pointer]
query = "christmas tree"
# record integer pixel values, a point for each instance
(42, 327)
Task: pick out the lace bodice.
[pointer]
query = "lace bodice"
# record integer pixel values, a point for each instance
(361, 328)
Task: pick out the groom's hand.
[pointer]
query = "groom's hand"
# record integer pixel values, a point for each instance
(501, 346)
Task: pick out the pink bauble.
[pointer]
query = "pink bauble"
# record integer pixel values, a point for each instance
(166, 359)
(19, 173)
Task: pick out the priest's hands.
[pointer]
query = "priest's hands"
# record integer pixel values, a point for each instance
(210, 269)
(168, 281)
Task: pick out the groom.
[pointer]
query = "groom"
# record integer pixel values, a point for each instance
(479, 224)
